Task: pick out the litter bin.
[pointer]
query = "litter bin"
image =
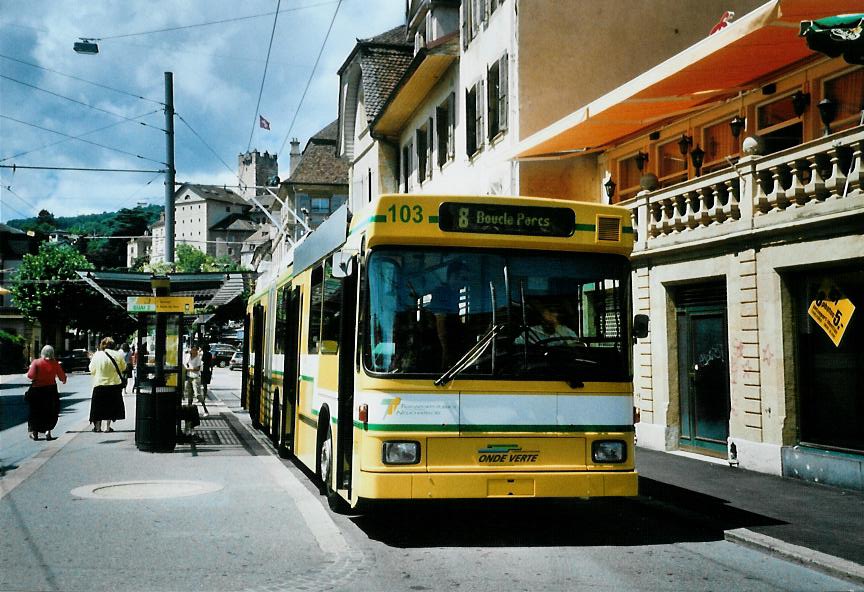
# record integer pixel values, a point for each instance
(156, 419)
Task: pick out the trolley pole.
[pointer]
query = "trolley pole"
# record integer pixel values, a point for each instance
(169, 167)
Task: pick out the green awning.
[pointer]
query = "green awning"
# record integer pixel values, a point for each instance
(835, 36)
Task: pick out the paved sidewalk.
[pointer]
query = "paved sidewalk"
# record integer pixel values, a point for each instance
(809, 523)
(90, 512)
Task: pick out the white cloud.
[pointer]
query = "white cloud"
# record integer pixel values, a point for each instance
(217, 75)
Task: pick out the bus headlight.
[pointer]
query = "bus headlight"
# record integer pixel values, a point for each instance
(401, 453)
(608, 451)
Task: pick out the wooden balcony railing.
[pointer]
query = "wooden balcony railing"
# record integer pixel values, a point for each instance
(824, 175)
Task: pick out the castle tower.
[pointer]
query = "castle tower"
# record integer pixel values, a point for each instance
(256, 170)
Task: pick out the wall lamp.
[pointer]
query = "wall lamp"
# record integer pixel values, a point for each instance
(736, 125)
(684, 144)
(641, 158)
(800, 102)
(609, 186)
(827, 111)
(697, 156)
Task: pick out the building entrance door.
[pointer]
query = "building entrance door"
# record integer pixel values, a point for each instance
(703, 367)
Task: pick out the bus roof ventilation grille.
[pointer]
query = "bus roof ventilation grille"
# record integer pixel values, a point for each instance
(608, 229)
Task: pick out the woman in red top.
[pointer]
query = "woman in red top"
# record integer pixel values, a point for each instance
(42, 397)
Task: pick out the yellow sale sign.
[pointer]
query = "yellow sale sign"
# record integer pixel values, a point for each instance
(831, 310)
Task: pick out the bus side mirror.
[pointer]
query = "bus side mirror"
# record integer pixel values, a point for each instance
(640, 326)
(343, 264)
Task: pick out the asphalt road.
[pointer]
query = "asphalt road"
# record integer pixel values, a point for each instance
(264, 527)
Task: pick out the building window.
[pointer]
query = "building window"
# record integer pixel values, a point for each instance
(719, 144)
(778, 125)
(629, 174)
(445, 117)
(474, 118)
(320, 205)
(847, 90)
(671, 164)
(407, 166)
(473, 16)
(424, 161)
(497, 96)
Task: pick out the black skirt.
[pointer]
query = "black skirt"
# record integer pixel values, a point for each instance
(107, 403)
(44, 404)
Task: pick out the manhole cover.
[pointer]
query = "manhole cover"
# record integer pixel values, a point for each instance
(145, 489)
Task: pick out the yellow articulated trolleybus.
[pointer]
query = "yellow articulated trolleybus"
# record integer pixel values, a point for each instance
(447, 347)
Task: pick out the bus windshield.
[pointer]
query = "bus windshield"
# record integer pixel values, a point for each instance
(531, 315)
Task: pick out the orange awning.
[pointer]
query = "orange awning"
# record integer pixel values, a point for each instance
(732, 60)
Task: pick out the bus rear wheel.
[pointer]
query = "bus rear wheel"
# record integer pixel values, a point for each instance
(325, 464)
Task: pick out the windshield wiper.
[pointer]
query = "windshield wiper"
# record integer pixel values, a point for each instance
(471, 355)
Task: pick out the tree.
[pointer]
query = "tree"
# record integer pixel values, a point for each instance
(47, 289)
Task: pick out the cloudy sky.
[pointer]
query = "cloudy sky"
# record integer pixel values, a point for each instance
(111, 102)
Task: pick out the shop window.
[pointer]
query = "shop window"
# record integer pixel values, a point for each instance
(830, 381)
(847, 91)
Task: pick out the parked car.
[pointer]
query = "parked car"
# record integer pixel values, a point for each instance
(236, 362)
(75, 360)
(221, 354)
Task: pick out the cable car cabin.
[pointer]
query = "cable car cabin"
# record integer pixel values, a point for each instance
(452, 347)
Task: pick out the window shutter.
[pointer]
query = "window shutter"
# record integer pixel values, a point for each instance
(480, 97)
(451, 125)
(466, 13)
(503, 92)
(470, 122)
(492, 100)
(441, 118)
(430, 137)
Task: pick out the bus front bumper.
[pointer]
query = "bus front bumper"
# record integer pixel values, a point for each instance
(497, 485)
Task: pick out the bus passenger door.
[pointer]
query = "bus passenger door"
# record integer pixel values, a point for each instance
(291, 372)
(347, 341)
(257, 370)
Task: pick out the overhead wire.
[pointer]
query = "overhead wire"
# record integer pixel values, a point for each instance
(117, 90)
(81, 140)
(116, 123)
(209, 23)
(52, 93)
(311, 76)
(255, 118)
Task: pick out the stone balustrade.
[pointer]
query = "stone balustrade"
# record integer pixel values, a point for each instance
(825, 170)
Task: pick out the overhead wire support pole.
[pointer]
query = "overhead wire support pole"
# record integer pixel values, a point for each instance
(170, 173)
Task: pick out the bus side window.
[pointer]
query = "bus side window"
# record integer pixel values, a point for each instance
(332, 316)
(316, 296)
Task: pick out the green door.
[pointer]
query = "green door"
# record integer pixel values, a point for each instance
(703, 373)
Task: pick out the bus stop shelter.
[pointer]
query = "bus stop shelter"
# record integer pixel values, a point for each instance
(164, 307)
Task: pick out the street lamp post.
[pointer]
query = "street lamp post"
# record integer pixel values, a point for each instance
(169, 167)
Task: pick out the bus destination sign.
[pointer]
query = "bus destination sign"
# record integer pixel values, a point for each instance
(506, 219)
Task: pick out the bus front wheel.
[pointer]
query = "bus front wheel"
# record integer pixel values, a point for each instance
(325, 463)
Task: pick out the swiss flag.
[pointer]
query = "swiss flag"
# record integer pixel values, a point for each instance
(263, 123)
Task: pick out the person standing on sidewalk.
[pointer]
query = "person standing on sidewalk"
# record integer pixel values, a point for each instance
(106, 367)
(193, 364)
(42, 396)
(127, 357)
(206, 374)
